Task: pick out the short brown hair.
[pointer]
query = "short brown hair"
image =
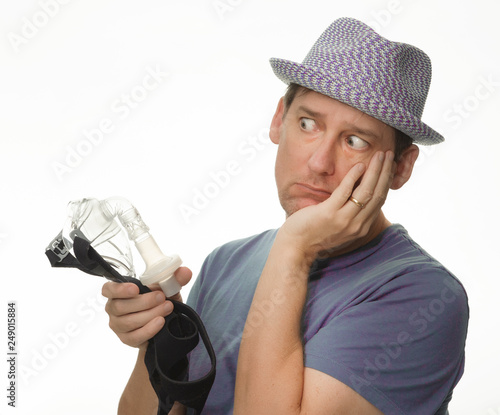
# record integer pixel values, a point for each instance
(403, 141)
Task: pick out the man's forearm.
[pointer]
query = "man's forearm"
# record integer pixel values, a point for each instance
(270, 372)
(139, 397)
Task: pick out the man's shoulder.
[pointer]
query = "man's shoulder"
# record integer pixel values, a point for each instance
(414, 267)
(391, 261)
(240, 253)
(397, 245)
(261, 241)
(237, 260)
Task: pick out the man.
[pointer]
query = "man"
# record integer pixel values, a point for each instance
(338, 311)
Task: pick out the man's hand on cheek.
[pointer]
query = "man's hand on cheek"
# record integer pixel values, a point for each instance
(337, 222)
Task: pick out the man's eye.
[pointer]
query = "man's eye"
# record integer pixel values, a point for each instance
(307, 124)
(356, 142)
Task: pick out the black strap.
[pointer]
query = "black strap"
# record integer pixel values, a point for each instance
(60, 256)
(166, 356)
(168, 365)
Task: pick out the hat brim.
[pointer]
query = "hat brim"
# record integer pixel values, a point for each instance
(337, 87)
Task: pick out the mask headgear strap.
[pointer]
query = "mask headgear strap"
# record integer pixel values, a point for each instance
(166, 356)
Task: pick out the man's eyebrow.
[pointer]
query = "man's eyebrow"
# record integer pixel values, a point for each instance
(310, 112)
(348, 126)
(364, 132)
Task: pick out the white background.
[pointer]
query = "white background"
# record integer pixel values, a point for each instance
(64, 74)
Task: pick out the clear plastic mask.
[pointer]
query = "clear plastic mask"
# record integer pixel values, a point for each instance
(89, 219)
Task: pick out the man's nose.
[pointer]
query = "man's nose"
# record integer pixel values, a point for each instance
(322, 160)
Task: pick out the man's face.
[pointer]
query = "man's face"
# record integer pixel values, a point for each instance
(320, 139)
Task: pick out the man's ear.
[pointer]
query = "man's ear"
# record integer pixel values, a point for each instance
(277, 122)
(404, 166)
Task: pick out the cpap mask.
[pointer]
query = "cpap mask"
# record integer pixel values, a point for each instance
(108, 225)
(95, 239)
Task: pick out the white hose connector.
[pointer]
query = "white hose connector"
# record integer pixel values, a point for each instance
(159, 267)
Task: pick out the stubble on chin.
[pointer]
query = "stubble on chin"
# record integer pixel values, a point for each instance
(292, 204)
(287, 203)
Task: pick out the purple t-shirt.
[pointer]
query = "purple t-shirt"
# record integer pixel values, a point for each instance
(387, 320)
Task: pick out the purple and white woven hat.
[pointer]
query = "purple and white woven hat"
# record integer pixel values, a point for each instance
(353, 64)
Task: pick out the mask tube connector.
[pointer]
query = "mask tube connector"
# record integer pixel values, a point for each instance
(159, 267)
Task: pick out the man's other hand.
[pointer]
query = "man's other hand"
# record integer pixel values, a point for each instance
(134, 317)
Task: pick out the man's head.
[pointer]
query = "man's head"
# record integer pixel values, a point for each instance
(320, 139)
(354, 94)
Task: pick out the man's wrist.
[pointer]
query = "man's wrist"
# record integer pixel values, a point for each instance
(295, 251)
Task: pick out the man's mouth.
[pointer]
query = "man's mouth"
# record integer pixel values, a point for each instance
(315, 192)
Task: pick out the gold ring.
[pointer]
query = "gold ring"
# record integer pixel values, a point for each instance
(357, 203)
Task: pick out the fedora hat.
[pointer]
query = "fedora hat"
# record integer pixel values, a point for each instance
(353, 64)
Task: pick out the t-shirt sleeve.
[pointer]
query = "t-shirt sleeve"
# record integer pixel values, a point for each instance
(402, 349)
(195, 296)
(194, 293)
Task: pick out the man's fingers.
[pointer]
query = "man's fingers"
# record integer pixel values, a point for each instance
(344, 190)
(113, 290)
(183, 275)
(141, 335)
(387, 174)
(365, 191)
(376, 182)
(122, 306)
(134, 317)
(127, 323)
